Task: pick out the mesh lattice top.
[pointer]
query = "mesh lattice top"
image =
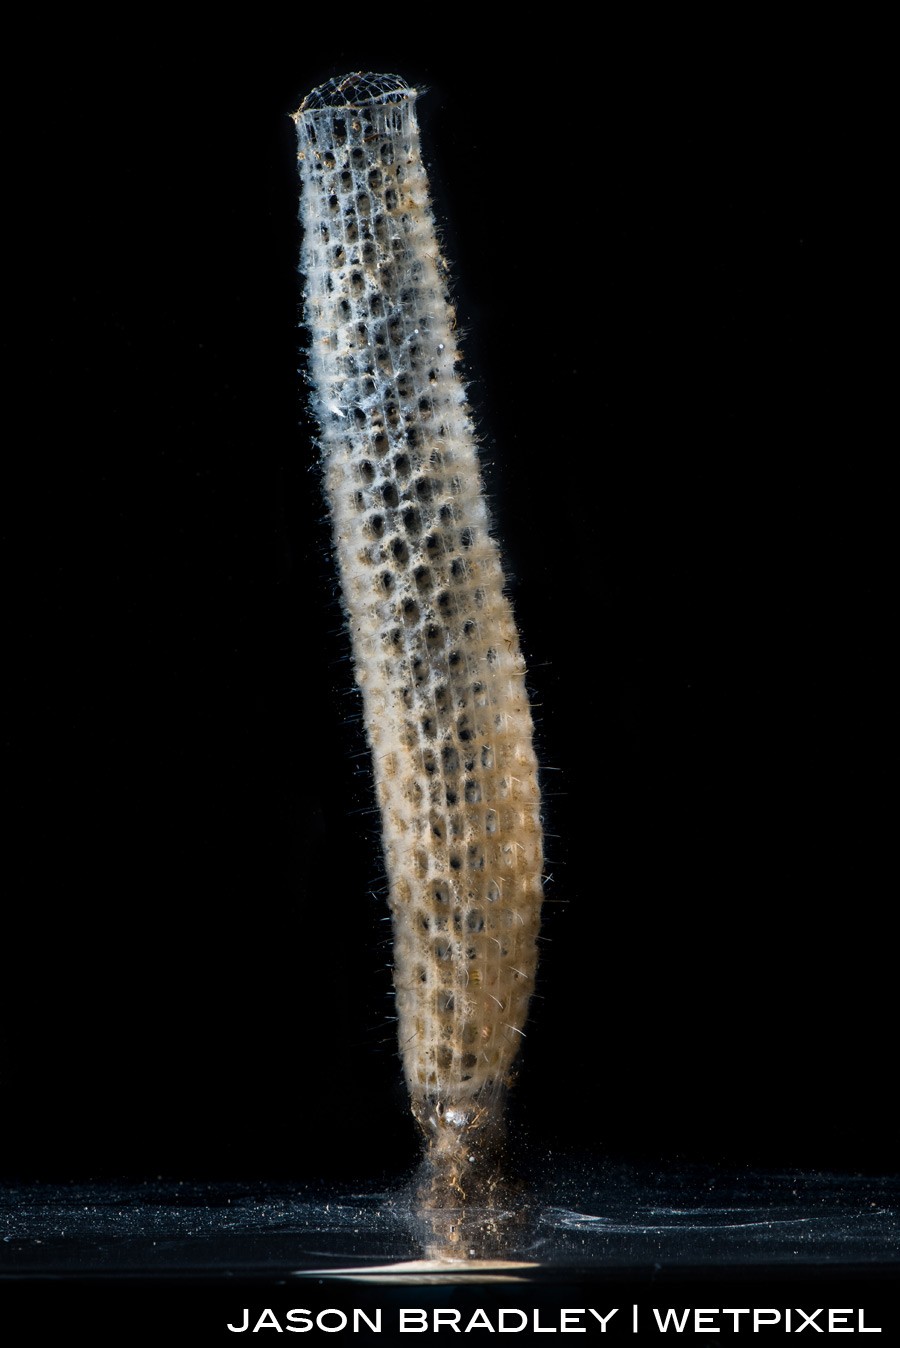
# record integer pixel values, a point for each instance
(356, 90)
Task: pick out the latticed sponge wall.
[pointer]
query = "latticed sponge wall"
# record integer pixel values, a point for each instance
(435, 647)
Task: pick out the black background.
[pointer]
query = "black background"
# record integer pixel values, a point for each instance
(668, 264)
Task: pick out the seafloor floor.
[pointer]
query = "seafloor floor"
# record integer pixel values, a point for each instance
(583, 1222)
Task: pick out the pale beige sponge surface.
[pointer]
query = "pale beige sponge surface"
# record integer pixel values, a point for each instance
(435, 648)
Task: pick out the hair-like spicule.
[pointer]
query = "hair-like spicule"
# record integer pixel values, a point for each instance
(435, 647)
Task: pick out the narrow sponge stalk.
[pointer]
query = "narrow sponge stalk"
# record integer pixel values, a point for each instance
(435, 647)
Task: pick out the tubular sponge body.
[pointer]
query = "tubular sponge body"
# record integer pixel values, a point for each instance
(435, 647)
